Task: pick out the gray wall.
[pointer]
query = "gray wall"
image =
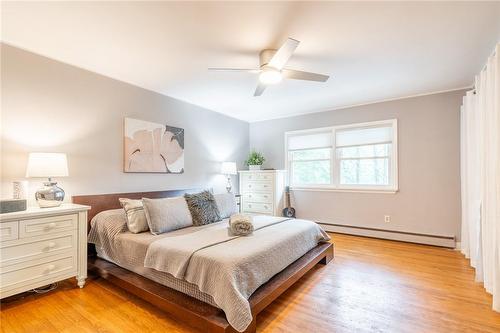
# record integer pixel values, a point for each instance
(428, 200)
(48, 106)
(53, 107)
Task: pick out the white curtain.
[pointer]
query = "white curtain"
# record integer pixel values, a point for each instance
(480, 176)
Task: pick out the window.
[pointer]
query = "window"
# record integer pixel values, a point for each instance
(349, 157)
(310, 158)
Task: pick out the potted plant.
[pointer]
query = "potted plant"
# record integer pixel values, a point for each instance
(255, 160)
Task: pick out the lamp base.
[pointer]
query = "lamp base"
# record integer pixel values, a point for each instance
(50, 195)
(229, 186)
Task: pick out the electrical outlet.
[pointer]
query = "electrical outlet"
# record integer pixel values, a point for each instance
(387, 218)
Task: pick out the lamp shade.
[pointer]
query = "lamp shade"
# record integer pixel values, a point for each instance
(228, 168)
(47, 165)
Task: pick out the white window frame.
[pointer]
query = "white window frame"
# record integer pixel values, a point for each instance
(335, 185)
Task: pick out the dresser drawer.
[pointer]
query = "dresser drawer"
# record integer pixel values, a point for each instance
(47, 225)
(37, 270)
(9, 231)
(252, 207)
(41, 248)
(258, 176)
(266, 177)
(258, 197)
(257, 187)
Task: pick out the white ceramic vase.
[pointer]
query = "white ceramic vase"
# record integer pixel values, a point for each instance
(254, 167)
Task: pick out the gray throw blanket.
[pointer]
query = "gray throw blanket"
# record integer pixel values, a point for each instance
(230, 268)
(241, 224)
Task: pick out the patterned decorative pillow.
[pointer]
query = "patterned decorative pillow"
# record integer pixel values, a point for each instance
(203, 208)
(226, 202)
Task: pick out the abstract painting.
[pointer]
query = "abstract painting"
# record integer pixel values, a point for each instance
(153, 147)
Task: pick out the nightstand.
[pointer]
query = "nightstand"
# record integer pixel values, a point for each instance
(40, 246)
(238, 201)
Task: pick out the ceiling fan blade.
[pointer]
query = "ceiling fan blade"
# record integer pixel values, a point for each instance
(250, 70)
(280, 58)
(307, 76)
(260, 89)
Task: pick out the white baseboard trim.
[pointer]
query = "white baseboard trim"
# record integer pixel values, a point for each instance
(436, 240)
(458, 247)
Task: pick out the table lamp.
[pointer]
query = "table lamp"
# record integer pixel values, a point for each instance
(228, 169)
(48, 165)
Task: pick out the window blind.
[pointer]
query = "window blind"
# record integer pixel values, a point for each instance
(310, 141)
(363, 136)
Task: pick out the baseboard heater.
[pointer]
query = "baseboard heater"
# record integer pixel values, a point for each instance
(411, 237)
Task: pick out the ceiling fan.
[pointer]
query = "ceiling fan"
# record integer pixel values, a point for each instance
(272, 67)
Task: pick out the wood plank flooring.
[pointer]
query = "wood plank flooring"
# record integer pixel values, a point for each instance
(371, 286)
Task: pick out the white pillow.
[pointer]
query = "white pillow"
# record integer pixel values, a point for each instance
(226, 203)
(167, 214)
(136, 219)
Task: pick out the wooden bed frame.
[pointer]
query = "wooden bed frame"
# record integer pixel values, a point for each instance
(188, 309)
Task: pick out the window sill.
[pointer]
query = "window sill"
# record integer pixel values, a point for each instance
(345, 190)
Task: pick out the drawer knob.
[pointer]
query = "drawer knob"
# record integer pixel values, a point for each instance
(249, 205)
(50, 268)
(51, 225)
(265, 206)
(51, 245)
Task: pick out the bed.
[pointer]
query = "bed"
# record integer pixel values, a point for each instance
(198, 293)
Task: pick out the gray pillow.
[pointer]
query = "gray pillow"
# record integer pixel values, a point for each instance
(136, 219)
(226, 203)
(167, 214)
(203, 208)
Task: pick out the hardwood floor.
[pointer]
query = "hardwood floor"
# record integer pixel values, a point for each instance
(371, 286)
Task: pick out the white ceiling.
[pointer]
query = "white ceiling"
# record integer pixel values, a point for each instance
(373, 51)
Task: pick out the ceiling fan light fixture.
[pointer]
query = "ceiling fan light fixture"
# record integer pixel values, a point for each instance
(272, 67)
(270, 76)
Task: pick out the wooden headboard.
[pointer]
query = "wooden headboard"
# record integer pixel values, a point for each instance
(101, 202)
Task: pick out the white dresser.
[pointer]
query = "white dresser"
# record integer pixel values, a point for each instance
(262, 191)
(40, 246)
